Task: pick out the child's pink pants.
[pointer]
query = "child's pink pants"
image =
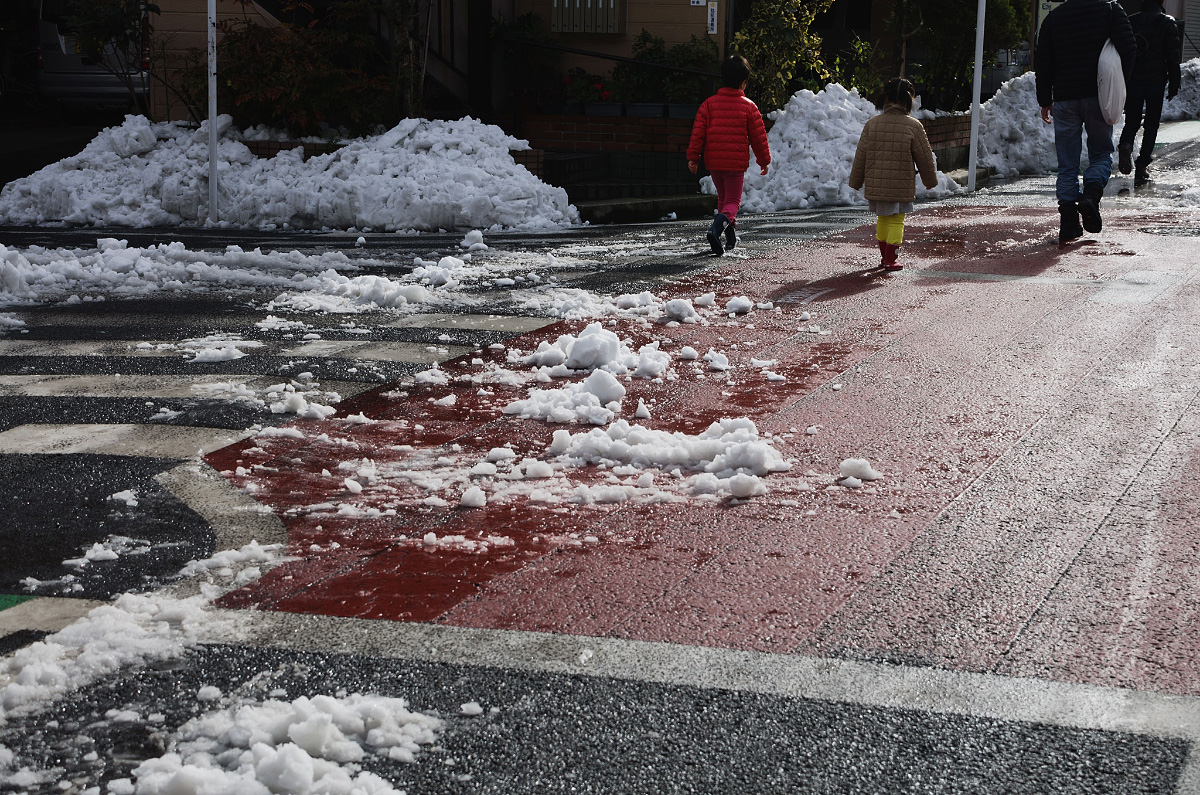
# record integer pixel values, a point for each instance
(729, 192)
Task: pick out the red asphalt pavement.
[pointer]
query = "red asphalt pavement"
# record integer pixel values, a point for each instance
(1033, 407)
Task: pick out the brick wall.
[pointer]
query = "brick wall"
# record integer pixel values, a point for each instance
(948, 131)
(633, 134)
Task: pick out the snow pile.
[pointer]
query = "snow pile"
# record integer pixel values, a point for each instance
(623, 462)
(1186, 104)
(729, 454)
(132, 630)
(812, 149)
(308, 745)
(1013, 139)
(855, 471)
(421, 175)
(299, 747)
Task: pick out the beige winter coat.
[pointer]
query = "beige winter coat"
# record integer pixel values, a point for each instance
(889, 145)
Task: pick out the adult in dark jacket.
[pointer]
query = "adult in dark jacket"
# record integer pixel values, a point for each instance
(1156, 68)
(1066, 62)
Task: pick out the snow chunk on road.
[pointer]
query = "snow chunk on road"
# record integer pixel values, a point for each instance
(859, 468)
(726, 448)
(597, 348)
(596, 400)
(309, 745)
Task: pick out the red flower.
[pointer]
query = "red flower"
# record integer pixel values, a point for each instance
(605, 95)
(599, 86)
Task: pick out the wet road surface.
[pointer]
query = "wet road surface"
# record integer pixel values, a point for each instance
(1008, 610)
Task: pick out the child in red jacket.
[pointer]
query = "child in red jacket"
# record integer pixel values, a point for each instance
(726, 128)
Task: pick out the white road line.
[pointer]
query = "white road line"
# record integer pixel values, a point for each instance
(213, 386)
(150, 386)
(412, 352)
(1006, 277)
(505, 323)
(235, 518)
(151, 441)
(865, 684)
(86, 348)
(1177, 132)
(45, 614)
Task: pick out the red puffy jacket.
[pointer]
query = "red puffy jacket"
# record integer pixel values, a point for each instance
(726, 128)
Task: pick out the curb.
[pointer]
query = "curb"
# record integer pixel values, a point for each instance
(983, 175)
(623, 211)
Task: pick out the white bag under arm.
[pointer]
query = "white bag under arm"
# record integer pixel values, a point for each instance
(1110, 82)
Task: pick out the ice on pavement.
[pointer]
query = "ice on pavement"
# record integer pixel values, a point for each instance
(310, 744)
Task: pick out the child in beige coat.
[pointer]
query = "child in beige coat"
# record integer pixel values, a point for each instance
(890, 144)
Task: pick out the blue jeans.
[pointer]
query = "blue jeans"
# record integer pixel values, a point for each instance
(1072, 118)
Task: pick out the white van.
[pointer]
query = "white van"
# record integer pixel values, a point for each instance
(65, 75)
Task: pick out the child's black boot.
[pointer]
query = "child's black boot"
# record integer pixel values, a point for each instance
(714, 234)
(730, 237)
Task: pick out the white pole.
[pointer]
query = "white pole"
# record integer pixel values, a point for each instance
(212, 111)
(975, 91)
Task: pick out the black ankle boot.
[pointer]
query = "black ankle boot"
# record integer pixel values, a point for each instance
(730, 238)
(1125, 158)
(714, 234)
(1069, 229)
(1089, 206)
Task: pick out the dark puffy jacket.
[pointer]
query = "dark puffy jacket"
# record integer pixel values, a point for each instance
(1069, 45)
(726, 128)
(1157, 37)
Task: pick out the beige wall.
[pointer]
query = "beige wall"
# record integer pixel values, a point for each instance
(183, 26)
(673, 20)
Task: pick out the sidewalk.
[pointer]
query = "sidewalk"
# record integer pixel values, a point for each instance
(993, 372)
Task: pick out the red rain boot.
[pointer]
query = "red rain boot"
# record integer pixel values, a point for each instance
(890, 256)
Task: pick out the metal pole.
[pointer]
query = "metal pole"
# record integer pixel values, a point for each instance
(213, 213)
(975, 91)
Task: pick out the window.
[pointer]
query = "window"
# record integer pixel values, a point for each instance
(585, 16)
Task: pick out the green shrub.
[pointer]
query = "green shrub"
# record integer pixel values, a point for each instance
(635, 83)
(695, 53)
(859, 66)
(113, 33)
(580, 87)
(303, 76)
(783, 54)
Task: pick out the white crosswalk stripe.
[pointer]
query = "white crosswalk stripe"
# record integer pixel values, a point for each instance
(65, 356)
